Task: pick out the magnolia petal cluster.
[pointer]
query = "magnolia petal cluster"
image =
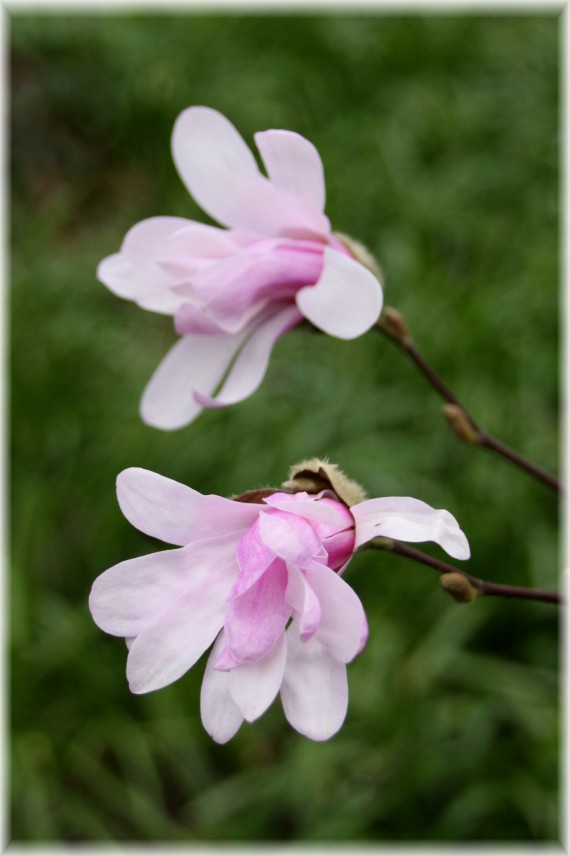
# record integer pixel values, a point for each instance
(234, 291)
(262, 583)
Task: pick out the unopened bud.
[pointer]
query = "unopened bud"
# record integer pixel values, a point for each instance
(315, 474)
(395, 324)
(361, 253)
(459, 587)
(460, 423)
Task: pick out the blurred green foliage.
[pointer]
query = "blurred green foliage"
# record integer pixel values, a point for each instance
(439, 137)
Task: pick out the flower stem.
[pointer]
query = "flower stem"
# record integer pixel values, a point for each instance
(393, 325)
(483, 588)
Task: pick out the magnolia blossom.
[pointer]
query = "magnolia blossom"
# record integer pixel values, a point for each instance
(233, 292)
(260, 580)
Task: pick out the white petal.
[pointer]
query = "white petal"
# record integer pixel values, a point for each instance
(165, 509)
(220, 714)
(253, 686)
(314, 691)
(294, 165)
(170, 646)
(347, 299)
(342, 614)
(220, 172)
(195, 363)
(408, 519)
(249, 368)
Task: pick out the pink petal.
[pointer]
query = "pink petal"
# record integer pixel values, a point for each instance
(303, 600)
(340, 548)
(253, 686)
(289, 536)
(170, 646)
(312, 508)
(194, 363)
(347, 299)
(233, 290)
(342, 614)
(220, 714)
(129, 596)
(255, 620)
(314, 691)
(248, 370)
(220, 172)
(177, 514)
(293, 165)
(135, 274)
(253, 558)
(408, 519)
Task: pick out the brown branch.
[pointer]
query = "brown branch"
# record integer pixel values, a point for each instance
(472, 587)
(394, 326)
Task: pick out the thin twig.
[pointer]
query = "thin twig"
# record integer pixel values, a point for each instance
(393, 325)
(483, 588)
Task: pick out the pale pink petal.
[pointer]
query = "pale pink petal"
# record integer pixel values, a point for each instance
(170, 646)
(195, 363)
(314, 691)
(340, 548)
(145, 240)
(293, 164)
(303, 600)
(347, 299)
(253, 686)
(129, 596)
(165, 509)
(311, 507)
(342, 614)
(255, 620)
(248, 370)
(220, 714)
(220, 172)
(146, 286)
(253, 558)
(289, 536)
(408, 519)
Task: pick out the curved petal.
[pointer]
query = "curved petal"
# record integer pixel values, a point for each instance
(129, 596)
(248, 370)
(293, 164)
(221, 716)
(165, 509)
(303, 600)
(135, 273)
(342, 613)
(253, 686)
(253, 558)
(314, 691)
(194, 363)
(347, 299)
(221, 174)
(255, 620)
(290, 537)
(408, 519)
(180, 634)
(306, 505)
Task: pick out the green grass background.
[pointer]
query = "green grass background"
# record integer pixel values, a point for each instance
(439, 137)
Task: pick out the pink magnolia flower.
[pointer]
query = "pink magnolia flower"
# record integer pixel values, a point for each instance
(233, 292)
(260, 580)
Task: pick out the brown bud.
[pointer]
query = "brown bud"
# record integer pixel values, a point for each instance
(460, 423)
(315, 474)
(395, 324)
(361, 253)
(459, 587)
